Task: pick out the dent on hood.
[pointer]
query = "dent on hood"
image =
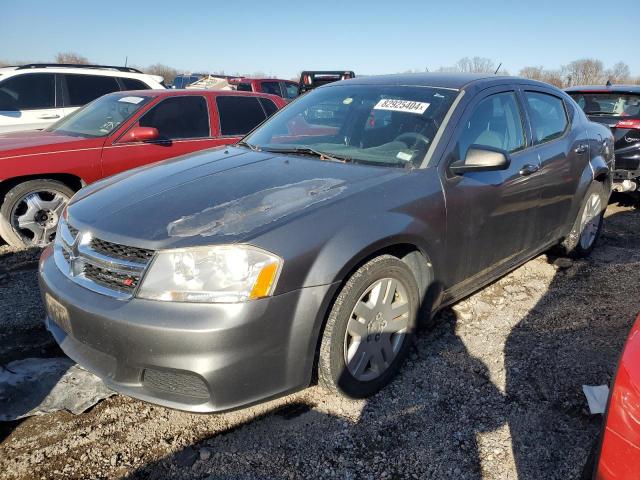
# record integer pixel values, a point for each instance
(246, 213)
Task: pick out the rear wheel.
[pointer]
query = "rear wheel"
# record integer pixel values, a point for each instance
(588, 225)
(30, 212)
(369, 329)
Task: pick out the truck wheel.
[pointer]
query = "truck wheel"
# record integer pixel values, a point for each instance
(588, 225)
(30, 211)
(369, 329)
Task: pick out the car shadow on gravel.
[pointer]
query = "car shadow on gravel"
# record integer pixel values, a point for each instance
(572, 337)
(443, 385)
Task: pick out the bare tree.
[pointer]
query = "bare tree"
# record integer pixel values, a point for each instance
(554, 77)
(166, 72)
(476, 65)
(586, 71)
(619, 73)
(71, 57)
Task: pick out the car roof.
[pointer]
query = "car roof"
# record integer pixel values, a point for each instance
(604, 88)
(247, 80)
(454, 81)
(97, 70)
(170, 92)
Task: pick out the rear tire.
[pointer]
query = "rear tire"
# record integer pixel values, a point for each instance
(30, 211)
(369, 329)
(588, 225)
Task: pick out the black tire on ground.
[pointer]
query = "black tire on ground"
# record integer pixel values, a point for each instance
(14, 196)
(333, 373)
(571, 246)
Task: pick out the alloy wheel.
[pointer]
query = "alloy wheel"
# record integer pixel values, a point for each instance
(590, 222)
(376, 329)
(35, 216)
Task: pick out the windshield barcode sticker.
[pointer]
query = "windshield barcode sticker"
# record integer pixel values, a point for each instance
(402, 106)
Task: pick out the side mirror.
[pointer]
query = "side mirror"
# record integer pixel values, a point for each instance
(141, 134)
(481, 159)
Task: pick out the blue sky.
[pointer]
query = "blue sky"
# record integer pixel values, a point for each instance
(281, 38)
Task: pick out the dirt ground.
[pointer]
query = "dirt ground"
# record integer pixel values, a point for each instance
(492, 390)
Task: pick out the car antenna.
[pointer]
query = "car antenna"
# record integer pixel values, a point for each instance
(496, 72)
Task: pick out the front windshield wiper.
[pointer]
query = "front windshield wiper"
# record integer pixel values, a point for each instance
(312, 151)
(250, 146)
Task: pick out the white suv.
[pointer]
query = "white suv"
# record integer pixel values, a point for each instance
(34, 96)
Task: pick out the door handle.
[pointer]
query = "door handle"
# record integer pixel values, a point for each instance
(580, 149)
(49, 116)
(529, 169)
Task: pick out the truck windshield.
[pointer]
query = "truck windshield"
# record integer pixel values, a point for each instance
(375, 124)
(100, 117)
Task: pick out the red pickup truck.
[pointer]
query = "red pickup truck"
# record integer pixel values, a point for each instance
(41, 170)
(274, 86)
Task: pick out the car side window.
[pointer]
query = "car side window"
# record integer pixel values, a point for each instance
(82, 89)
(133, 84)
(548, 116)
(179, 118)
(239, 115)
(33, 91)
(269, 107)
(495, 122)
(291, 90)
(272, 88)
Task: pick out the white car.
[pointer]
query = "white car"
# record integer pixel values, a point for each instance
(36, 95)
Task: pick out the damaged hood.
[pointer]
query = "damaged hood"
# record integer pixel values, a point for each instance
(219, 196)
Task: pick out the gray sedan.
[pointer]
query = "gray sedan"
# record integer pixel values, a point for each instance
(314, 246)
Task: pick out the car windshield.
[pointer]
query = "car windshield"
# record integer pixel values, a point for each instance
(382, 125)
(100, 117)
(609, 103)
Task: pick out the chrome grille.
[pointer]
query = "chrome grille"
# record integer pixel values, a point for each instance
(123, 252)
(121, 282)
(105, 267)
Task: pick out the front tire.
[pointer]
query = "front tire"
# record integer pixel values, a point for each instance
(30, 212)
(588, 225)
(369, 329)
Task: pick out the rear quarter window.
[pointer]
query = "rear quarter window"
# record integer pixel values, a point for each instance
(82, 89)
(133, 84)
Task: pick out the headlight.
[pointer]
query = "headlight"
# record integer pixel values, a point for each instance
(217, 274)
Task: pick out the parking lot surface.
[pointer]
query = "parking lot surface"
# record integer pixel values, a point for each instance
(492, 390)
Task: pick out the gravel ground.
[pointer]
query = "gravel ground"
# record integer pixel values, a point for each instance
(492, 390)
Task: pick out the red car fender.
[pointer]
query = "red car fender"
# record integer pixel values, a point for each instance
(620, 450)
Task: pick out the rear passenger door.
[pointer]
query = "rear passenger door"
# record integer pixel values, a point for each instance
(238, 115)
(29, 101)
(491, 215)
(79, 89)
(183, 123)
(562, 152)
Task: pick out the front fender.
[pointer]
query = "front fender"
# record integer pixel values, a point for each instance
(350, 247)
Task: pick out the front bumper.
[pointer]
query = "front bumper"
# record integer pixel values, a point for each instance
(194, 357)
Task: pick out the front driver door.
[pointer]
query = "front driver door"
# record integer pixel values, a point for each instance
(184, 126)
(491, 215)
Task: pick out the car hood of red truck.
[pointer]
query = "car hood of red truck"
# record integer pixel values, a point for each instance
(17, 144)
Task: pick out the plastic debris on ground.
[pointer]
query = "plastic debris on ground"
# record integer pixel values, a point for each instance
(35, 386)
(596, 397)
